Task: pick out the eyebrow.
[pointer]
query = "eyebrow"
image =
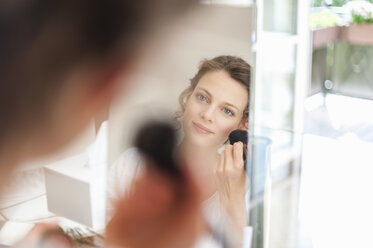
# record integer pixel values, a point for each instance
(226, 103)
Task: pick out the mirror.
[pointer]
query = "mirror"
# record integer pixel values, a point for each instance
(70, 186)
(212, 31)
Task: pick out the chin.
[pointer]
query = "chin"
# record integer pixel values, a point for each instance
(201, 141)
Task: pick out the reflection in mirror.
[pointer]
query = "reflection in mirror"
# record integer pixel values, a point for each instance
(213, 103)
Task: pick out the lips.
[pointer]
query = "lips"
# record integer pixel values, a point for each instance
(201, 129)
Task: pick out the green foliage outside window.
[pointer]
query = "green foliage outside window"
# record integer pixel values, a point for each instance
(360, 11)
(334, 3)
(360, 19)
(324, 19)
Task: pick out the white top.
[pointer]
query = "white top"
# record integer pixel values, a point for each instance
(122, 174)
(128, 167)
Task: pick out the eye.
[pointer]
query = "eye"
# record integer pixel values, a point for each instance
(202, 98)
(228, 111)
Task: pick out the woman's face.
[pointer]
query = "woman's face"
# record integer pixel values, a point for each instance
(214, 109)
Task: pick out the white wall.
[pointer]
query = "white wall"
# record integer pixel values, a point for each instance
(173, 58)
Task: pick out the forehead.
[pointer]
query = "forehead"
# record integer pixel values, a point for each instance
(223, 88)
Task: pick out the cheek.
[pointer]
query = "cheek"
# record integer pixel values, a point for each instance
(191, 112)
(225, 127)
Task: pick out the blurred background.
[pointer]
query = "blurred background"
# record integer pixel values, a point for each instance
(313, 66)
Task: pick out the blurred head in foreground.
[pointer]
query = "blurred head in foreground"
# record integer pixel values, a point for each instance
(60, 63)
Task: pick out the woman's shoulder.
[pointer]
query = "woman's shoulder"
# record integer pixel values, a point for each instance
(128, 164)
(131, 153)
(122, 173)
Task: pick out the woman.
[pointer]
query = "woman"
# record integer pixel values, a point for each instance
(215, 103)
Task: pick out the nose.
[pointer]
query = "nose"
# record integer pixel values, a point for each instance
(208, 114)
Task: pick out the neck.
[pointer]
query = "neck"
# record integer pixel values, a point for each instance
(203, 161)
(205, 155)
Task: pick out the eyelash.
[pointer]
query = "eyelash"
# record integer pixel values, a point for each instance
(230, 113)
(202, 98)
(226, 111)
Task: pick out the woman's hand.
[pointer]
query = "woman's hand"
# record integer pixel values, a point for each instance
(231, 183)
